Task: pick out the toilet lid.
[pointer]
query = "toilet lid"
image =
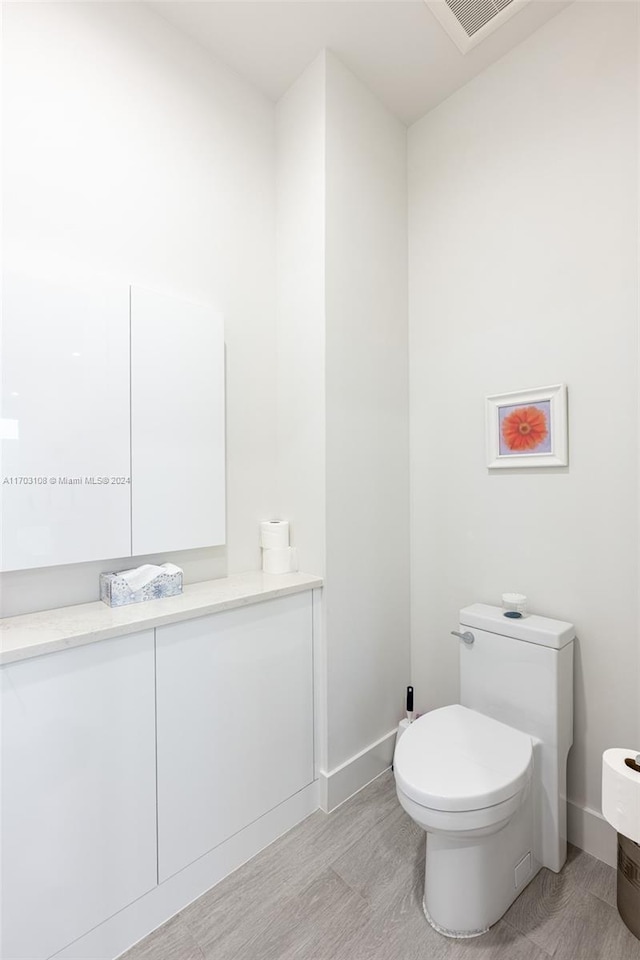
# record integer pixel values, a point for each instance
(457, 759)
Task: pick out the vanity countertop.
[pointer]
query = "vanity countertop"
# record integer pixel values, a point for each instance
(48, 631)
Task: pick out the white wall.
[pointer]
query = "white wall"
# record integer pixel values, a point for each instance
(301, 470)
(301, 399)
(130, 152)
(343, 397)
(523, 272)
(367, 574)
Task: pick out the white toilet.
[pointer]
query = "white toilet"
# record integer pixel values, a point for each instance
(486, 779)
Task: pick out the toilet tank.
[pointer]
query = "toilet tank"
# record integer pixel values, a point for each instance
(519, 671)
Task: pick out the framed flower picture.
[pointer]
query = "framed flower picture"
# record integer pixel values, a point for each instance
(528, 428)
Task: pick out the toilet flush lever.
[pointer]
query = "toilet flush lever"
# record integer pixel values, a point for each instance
(466, 637)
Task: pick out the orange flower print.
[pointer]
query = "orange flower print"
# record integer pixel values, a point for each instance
(525, 428)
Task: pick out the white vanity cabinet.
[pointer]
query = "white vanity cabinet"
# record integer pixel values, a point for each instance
(78, 791)
(137, 771)
(235, 722)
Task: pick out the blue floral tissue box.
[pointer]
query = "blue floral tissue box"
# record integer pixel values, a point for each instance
(148, 582)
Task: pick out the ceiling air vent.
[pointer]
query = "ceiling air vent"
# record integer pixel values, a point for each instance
(469, 21)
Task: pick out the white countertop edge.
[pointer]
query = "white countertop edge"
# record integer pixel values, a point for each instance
(49, 631)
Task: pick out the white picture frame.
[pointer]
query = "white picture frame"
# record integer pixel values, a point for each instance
(528, 428)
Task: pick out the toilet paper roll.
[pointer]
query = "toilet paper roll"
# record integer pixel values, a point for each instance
(274, 534)
(621, 792)
(280, 560)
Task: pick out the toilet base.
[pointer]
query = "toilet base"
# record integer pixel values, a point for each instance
(471, 881)
(454, 934)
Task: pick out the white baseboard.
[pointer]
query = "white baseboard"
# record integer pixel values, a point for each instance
(342, 782)
(589, 830)
(140, 918)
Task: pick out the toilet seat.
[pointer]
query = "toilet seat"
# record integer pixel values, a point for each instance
(457, 760)
(463, 823)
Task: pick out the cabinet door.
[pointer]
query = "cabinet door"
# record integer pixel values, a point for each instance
(65, 394)
(235, 722)
(177, 424)
(78, 792)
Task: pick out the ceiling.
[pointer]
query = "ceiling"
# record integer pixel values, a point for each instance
(397, 47)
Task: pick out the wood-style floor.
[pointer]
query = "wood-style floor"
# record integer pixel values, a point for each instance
(348, 886)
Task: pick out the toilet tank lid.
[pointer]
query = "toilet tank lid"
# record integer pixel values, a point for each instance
(530, 628)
